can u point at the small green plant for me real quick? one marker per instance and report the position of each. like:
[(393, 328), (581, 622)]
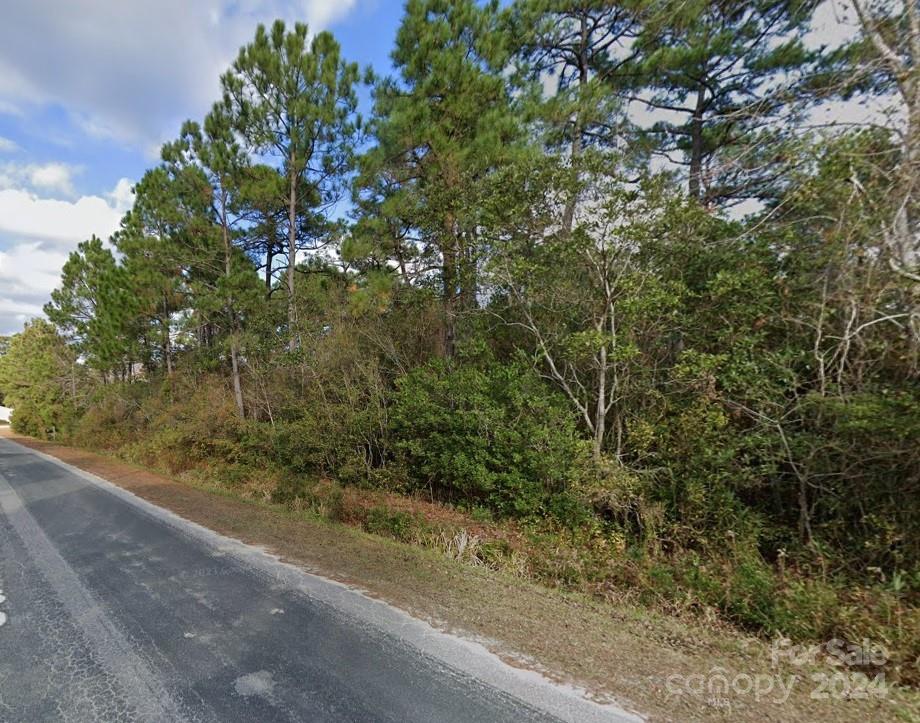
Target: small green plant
[(397, 524)]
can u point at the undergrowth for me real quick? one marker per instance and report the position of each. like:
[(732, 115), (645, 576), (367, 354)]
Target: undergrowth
[(614, 546)]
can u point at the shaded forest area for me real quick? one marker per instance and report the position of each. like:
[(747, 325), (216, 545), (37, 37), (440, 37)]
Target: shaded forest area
[(591, 273)]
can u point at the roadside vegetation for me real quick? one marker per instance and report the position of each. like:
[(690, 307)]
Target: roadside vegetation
[(481, 321)]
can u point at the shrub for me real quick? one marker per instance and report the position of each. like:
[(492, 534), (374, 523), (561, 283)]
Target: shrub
[(324, 499), (493, 436), (398, 524), (39, 378)]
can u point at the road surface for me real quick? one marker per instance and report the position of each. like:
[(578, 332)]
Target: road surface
[(113, 609)]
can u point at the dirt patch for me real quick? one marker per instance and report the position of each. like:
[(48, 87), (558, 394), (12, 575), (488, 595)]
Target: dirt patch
[(638, 657)]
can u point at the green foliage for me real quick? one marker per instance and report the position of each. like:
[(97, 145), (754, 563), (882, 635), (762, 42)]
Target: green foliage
[(398, 524), (326, 500), (441, 128), (724, 68), (493, 436), (292, 97), (93, 306), (39, 379)]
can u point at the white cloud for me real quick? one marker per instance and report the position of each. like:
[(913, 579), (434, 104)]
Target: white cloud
[(14, 314), (10, 109), (7, 146), (39, 234), (133, 71), (122, 196), (23, 213), (30, 270), (53, 177)]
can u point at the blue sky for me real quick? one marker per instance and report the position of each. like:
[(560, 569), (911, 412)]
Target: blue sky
[(89, 89)]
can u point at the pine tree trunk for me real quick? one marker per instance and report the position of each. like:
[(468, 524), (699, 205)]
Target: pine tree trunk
[(231, 311), (468, 281), (237, 386), (167, 342), (695, 185), (568, 214), (292, 254), (269, 260), (449, 299), (600, 415)]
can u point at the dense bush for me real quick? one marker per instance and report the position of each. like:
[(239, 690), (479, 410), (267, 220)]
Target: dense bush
[(493, 436), (41, 381)]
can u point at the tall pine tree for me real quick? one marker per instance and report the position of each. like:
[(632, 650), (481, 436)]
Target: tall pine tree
[(224, 286), (294, 98), (721, 71), (577, 57), (441, 127)]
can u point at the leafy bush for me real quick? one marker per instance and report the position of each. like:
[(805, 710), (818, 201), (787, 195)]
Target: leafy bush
[(324, 499), (39, 379), (44, 422), (398, 524), (493, 436)]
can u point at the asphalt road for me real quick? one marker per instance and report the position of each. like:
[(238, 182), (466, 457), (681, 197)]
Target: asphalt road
[(113, 609)]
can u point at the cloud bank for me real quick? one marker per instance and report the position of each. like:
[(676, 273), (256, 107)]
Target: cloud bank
[(37, 234), (132, 71)]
